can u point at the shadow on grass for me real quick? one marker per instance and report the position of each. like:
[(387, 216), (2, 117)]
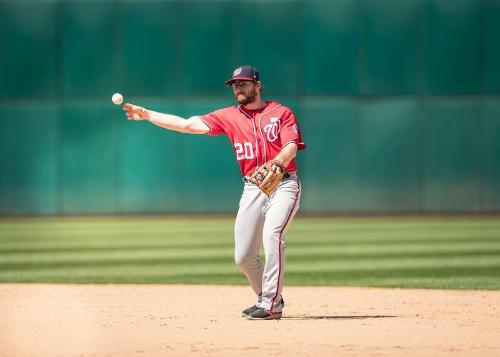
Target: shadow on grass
[(333, 317)]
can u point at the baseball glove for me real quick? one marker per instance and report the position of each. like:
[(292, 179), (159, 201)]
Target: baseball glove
[(269, 176)]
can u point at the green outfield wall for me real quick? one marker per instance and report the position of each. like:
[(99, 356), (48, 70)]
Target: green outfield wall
[(398, 100)]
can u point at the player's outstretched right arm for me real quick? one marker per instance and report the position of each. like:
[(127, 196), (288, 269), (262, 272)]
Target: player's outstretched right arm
[(193, 125)]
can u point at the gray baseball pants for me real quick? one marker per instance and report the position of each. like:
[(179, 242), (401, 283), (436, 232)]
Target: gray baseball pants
[(262, 222)]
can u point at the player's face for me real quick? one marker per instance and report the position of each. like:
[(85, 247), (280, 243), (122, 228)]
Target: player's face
[(245, 92)]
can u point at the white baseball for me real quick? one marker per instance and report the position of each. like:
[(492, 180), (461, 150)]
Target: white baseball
[(117, 98)]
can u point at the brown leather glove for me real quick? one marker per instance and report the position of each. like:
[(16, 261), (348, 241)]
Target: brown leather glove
[(269, 176)]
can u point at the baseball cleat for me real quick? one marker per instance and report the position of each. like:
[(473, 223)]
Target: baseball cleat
[(262, 314), (248, 311), (251, 309)]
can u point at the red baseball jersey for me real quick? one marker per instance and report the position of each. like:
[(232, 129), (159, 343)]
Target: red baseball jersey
[(257, 135)]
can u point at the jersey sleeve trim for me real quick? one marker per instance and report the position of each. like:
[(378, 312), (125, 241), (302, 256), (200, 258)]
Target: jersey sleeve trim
[(207, 124), (300, 146)]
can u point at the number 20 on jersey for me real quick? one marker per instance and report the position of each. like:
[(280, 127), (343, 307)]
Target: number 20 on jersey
[(243, 151)]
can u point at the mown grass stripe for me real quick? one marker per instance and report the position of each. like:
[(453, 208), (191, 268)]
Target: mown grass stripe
[(381, 263), (352, 253), (224, 234), (472, 277), (139, 268), (401, 249), (194, 224), (422, 272), (227, 230), (327, 250), (85, 246), (228, 234)]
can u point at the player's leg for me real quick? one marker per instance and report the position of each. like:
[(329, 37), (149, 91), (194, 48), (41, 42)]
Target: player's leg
[(248, 235), (279, 213)]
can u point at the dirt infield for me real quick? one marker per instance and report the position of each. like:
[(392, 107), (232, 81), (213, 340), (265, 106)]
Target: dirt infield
[(177, 320)]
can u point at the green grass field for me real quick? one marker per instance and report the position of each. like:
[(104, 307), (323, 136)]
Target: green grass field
[(435, 252)]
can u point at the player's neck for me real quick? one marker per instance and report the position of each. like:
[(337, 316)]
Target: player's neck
[(255, 105)]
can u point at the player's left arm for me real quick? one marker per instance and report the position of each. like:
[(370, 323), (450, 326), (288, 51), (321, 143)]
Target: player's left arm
[(290, 138), (287, 153)]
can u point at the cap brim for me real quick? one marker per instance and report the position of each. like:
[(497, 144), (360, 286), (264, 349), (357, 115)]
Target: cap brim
[(228, 83)]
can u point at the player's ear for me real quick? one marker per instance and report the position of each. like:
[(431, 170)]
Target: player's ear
[(259, 85)]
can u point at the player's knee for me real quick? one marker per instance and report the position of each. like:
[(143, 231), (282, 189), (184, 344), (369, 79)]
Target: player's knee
[(239, 260), (244, 260)]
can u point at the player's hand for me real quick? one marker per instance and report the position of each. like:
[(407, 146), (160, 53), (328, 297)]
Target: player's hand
[(269, 176), (277, 166), (135, 113)]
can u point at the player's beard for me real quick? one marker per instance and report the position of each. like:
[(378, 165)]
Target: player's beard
[(246, 98)]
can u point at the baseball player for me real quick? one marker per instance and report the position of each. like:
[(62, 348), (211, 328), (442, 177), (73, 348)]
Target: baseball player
[(265, 136)]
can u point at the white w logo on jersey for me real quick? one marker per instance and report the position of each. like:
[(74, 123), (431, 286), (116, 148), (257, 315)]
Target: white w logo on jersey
[(272, 129)]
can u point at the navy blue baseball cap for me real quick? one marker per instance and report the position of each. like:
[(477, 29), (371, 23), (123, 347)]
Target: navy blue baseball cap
[(244, 73)]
